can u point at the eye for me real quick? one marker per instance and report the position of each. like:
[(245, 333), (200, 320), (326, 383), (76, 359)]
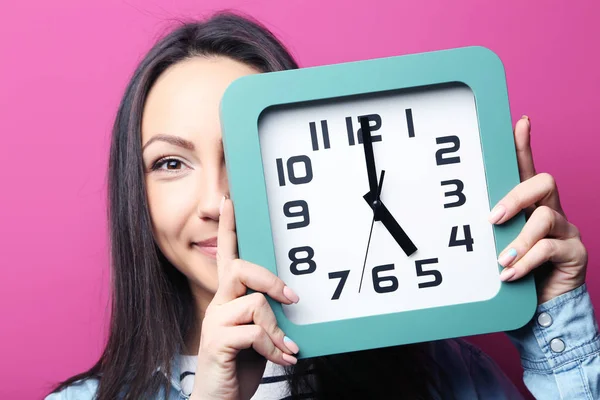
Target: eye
[(168, 164)]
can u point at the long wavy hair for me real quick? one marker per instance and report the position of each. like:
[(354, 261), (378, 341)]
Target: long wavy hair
[(152, 310)]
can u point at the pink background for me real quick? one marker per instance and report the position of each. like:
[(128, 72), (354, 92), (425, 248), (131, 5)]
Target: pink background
[(64, 67)]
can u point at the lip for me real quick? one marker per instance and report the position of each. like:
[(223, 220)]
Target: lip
[(207, 247)]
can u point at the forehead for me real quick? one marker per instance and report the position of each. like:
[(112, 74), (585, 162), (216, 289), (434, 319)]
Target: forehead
[(186, 96)]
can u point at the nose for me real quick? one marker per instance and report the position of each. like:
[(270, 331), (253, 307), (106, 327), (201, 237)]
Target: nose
[(212, 188)]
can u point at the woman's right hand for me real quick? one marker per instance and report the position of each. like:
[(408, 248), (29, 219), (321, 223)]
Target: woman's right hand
[(239, 331)]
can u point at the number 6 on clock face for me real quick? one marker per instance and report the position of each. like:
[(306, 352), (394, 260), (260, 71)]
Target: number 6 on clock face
[(407, 258)]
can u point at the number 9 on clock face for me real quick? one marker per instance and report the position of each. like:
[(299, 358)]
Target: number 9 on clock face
[(428, 143), (366, 188)]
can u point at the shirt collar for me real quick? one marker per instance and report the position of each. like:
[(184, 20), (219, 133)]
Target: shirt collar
[(175, 372)]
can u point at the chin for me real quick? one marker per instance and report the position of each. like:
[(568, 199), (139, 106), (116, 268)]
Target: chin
[(202, 275)]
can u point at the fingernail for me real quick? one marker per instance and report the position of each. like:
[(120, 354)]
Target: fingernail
[(506, 274), (507, 257), (291, 345), (497, 213), (290, 294), (289, 359), (221, 206), (526, 118)]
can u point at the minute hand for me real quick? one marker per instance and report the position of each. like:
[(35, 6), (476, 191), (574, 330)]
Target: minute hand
[(369, 156)]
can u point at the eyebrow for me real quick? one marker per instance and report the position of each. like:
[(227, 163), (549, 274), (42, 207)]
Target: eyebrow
[(171, 139)]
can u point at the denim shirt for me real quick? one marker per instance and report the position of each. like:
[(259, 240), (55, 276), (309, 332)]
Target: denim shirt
[(559, 350)]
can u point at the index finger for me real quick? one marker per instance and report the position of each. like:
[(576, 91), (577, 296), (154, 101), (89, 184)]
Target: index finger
[(226, 237), (523, 147)]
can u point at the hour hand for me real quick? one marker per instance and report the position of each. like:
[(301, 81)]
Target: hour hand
[(396, 230), (390, 223)]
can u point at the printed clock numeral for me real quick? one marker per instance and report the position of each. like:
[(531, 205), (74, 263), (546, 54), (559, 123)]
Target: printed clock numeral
[(374, 123), (462, 199), (343, 277), (409, 122), (308, 259), (437, 275), (291, 164), (314, 136), (390, 281), (303, 212), (467, 241), (439, 155)]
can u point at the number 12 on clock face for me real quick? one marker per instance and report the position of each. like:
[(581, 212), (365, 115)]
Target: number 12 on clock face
[(345, 257)]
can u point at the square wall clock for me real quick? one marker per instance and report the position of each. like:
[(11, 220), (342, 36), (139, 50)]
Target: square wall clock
[(366, 187)]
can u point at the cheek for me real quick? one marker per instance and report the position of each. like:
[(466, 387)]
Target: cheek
[(171, 206)]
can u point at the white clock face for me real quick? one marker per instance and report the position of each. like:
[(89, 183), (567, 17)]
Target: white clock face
[(428, 143)]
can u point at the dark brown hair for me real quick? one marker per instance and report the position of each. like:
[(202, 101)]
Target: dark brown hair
[(152, 307)]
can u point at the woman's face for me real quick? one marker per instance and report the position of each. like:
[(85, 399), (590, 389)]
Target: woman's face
[(184, 163)]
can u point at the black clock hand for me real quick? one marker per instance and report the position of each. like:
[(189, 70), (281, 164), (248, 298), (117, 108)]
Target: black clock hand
[(376, 205), (369, 156), (381, 213), (390, 223), (396, 230)]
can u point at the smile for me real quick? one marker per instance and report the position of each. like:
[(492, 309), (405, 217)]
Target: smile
[(207, 247)]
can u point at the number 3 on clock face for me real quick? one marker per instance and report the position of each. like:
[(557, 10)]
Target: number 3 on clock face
[(382, 232)]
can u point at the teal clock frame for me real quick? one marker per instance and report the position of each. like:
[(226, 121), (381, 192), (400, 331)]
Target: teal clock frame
[(477, 67)]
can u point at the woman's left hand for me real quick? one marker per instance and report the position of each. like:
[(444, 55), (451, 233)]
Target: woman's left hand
[(548, 242)]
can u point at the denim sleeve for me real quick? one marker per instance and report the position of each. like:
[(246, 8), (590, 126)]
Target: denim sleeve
[(560, 348), (81, 390)]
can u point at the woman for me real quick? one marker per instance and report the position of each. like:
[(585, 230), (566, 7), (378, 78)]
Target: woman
[(182, 325)]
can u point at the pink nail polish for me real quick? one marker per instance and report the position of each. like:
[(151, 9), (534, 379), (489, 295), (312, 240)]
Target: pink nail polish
[(507, 258), (506, 274), (221, 206), (291, 345), (497, 214), (290, 294), (289, 359)]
